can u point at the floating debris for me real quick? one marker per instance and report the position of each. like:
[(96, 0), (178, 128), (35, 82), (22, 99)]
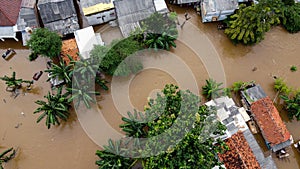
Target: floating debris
[(4, 100), (18, 125), (254, 69)]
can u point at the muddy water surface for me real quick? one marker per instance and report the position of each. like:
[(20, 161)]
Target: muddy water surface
[(67, 146)]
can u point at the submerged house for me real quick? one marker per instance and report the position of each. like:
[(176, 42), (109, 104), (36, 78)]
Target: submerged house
[(216, 10), (59, 16), (267, 118), (98, 11), (131, 12), (9, 13), (244, 150), (27, 20)]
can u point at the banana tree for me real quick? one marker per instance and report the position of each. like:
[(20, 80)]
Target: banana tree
[(13, 83), (5, 156), (134, 126), (55, 109), (211, 89), (111, 157), (292, 105), (62, 71), (160, 41), (82, 92)]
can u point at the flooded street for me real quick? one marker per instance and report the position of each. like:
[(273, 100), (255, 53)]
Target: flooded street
[(68, 146)]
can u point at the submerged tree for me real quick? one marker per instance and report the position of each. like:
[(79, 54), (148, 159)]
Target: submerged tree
[(13, 83), (61, 71), (292, 105), (44, 42), (55, 109), (211, 89), (292, 18), (6, 156)]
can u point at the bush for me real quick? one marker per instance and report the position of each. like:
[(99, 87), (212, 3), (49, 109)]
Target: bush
[(45, 42), (293, 68), (292, 18)]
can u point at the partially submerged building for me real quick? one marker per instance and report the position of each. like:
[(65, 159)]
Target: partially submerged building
[(267, 118), (86, 39), (245, 151), (59, 16), (9, 13), (131, 12), (98, 11), (216, 10)]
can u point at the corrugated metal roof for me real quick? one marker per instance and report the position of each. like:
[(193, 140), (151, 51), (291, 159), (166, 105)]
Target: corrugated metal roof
[(88, 3), (27, 18), (97, 8), (28, 3)]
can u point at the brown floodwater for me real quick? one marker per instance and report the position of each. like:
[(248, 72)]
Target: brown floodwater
[(68, 146)]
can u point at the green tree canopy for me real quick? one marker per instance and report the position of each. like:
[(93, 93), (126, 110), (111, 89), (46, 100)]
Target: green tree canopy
[(45, 42), (292, 18)]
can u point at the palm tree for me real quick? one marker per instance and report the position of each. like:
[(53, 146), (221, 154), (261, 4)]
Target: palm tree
[(160, 41), (85, 67), (133, 126), (56, 107), (62, 71), (111, 157), (4, 157), (82, 92), (211, 89), (13, 83)]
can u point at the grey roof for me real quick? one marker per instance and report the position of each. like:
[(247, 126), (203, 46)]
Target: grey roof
[(219, 5), (27, 18), (88, 3), (264, 162), (28, 3), (59, 15), (282, 145), (185, 1), (253, 94), (130, 12)]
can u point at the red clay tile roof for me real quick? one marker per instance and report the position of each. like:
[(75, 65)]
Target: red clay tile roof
[(9, 12), (240, 155), (69, 47), (269, 121)]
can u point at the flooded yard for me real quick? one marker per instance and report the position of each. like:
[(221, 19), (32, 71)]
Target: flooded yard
[(68, 146)]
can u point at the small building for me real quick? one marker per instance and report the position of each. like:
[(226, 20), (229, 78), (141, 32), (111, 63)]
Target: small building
[(271, 125), (131, 12), (27, 20), (235, 118), (252, 94), (98, 11), (9, 13), (217, 10), (86, 39), (59, 16), (179, 2), (239, 154)]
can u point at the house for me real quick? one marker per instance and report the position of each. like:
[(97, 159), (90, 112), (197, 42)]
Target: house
[(27, 19), (252, 94), (239, 154), (244, 147), (217, 10), (9, 13), (131, 12), (98, 11), (272, 127), (86, 39), (59, 16)]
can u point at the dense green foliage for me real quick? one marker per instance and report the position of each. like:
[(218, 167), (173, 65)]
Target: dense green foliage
[(293, 68), (239, 86), (62, 71), (292, 105), (44, 42), (13, 83), (118, 59), (211, 89), (5, 156), (249, 24), (292, 18), (281, 87), (186, 125), (55, 109), (160, 31)]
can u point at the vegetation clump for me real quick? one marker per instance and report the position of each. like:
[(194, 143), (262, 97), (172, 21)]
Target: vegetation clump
[(293, 68), (6, 156)]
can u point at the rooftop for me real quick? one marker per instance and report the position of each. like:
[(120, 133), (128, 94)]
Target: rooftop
[(212, 6), (253, 94), (9, 12), (240, 155), (267, 117), (94, 6), (69, 47)]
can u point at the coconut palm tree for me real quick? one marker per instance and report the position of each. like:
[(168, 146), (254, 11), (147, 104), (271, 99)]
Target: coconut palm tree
[(13, 83), (82, 92), (5, 156), (55, 109), (62, 71), (211, 89)]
